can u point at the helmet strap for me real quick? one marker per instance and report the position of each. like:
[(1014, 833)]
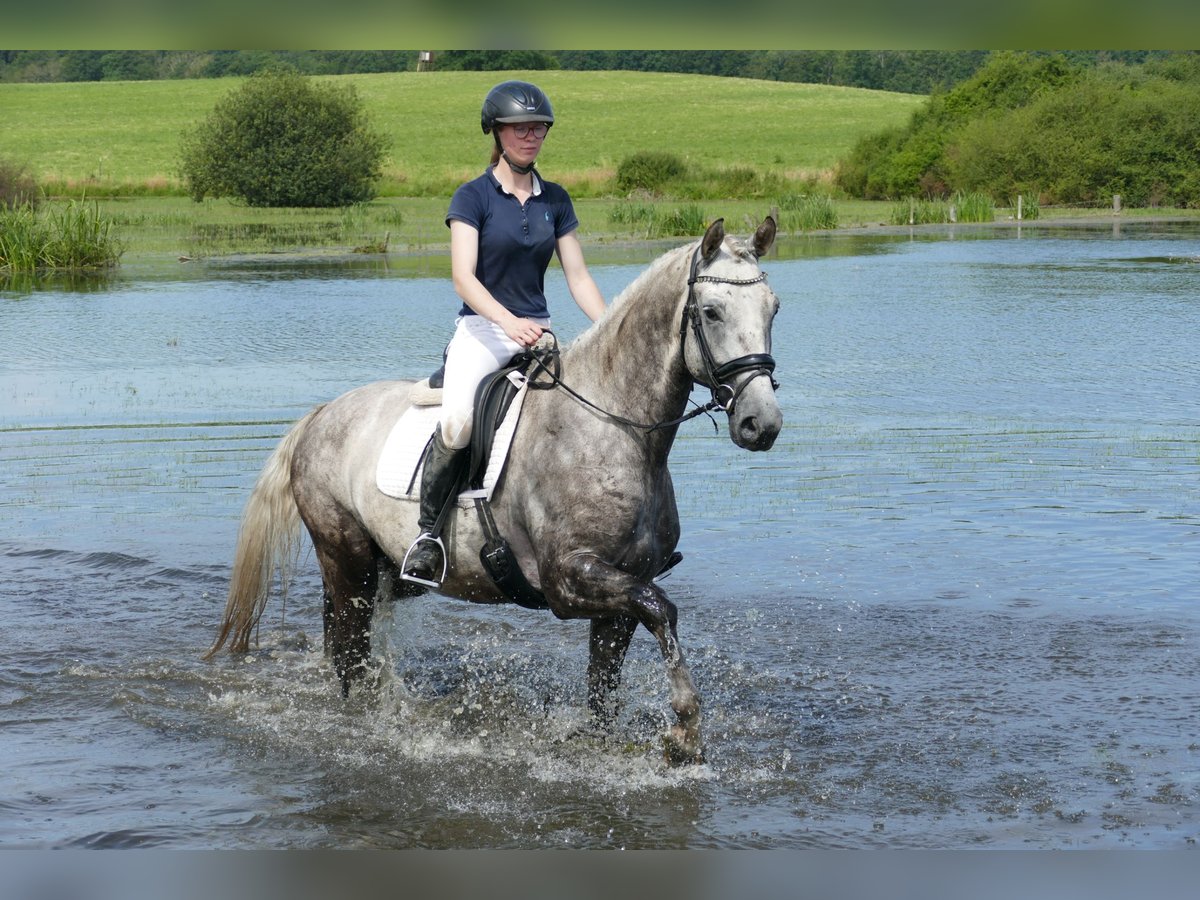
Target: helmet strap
[(519, 169)]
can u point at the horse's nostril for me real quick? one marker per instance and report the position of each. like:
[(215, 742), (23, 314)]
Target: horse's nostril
[(749, 428)]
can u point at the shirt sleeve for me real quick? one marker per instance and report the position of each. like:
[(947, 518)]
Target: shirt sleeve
[(465, 206), (565, 220)]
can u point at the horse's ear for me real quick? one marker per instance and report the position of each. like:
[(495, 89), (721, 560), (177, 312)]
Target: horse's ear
[(712, 240), (764, 237)]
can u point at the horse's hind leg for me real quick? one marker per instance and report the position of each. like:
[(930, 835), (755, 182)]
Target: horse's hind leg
[(350, 575), (584, 586)]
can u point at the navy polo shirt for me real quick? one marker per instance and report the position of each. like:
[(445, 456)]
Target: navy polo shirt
[(515, 241)]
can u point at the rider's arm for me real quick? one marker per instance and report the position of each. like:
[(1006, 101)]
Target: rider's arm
[(464, 254), (579, 279)]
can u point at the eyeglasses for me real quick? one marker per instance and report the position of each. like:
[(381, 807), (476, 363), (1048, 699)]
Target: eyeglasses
[(525, 129)]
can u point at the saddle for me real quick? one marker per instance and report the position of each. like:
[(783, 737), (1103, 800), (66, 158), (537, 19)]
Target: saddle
[(493, 398)]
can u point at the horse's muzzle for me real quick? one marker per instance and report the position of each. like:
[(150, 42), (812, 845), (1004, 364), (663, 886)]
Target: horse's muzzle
[(755, 419), (754, 433)]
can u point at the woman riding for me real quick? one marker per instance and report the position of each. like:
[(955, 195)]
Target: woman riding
[(504, 227)]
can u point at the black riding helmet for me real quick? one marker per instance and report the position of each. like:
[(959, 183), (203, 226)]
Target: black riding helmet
[(515, 101)]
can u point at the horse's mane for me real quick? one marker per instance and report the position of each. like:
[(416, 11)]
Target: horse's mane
[(636, 289), (640, 286)]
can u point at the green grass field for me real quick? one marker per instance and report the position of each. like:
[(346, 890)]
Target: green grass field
[(123, 137), (116, 142)]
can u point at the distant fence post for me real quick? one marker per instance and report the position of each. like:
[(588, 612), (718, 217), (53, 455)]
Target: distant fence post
[(1116, 204), (1019, 202)]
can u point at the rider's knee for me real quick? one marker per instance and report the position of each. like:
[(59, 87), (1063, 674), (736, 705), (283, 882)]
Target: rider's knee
[(456, 431)]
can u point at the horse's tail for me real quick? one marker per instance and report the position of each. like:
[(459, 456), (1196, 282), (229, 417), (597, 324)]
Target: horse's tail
[(267, 539)]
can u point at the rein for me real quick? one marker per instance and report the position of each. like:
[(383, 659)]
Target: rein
[(756, 363)]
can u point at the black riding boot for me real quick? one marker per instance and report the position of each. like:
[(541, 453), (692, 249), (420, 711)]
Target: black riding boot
[(443, 468)]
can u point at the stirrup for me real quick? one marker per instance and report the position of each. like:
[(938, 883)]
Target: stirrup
[(421, 538)]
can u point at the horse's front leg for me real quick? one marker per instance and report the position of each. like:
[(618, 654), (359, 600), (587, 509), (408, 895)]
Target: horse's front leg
[(582, 586)]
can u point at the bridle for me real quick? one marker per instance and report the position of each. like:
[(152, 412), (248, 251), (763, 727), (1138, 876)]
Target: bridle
[(717, 374)]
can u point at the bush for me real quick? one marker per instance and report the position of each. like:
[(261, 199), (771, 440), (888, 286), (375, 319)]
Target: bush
[(1089, 141), (17, 187), (283, 140), (914, 159), (648, 171)]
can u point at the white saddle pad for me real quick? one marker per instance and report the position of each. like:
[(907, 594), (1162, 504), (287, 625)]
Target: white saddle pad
[(400, 461)]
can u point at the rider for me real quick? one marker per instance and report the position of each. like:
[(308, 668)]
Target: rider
[(504, 227)]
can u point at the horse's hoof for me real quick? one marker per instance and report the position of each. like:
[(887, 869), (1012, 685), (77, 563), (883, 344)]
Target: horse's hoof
[(682, 749)]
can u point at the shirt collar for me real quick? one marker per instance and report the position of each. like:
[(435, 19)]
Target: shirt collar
[(537, 182)]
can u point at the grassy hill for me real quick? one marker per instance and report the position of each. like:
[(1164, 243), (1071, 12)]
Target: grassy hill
[(122, 137)]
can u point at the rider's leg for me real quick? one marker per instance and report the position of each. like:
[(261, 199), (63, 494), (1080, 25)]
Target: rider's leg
[(474, 352)]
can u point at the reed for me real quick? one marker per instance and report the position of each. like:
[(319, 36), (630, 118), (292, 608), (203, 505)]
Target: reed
[(807, 212), (1030, 207), (975, 207), (683, 221), (911, 211), (64, 237)]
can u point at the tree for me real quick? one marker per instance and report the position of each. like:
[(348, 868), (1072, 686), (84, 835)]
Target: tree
[(283, 140)]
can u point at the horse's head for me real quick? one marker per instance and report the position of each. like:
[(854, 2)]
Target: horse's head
[(727, 332)]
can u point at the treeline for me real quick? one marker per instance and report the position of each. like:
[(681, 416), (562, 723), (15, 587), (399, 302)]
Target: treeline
[(907, 71), (151, 65), (1049, 127)]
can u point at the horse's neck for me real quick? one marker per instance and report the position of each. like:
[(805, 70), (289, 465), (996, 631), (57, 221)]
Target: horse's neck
[(631, 363)]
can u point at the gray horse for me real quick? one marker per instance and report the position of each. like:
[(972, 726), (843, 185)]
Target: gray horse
[(586, 500)]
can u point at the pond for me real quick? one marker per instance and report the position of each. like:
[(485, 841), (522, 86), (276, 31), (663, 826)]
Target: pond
[(954, 606)]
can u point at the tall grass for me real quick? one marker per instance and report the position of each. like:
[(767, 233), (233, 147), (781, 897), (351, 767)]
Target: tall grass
[(807, 212), (684, 221), (647, 220), (17, 186), (1030, 207), (73, 236), (974, 207), (911, 211)]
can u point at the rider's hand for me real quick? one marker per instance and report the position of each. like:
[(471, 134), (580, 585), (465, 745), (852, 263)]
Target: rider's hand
[(523, 331)]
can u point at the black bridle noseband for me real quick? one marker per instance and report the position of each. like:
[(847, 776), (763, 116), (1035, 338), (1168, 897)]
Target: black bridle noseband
[(716, 373)]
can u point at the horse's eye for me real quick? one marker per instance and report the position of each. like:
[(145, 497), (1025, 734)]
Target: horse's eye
[(712, 314)]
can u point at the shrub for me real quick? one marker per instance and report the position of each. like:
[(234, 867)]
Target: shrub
[(17, 187), (648, 171), (902, 162), (283, 140)]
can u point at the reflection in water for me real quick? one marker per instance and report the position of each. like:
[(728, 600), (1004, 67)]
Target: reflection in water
[(19, 284), (953, 606)]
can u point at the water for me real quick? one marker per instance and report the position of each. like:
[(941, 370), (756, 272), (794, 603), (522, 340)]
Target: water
[(953, 607)]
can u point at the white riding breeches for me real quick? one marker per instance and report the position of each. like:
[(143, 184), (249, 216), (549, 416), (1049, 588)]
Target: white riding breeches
[(477, 349)]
